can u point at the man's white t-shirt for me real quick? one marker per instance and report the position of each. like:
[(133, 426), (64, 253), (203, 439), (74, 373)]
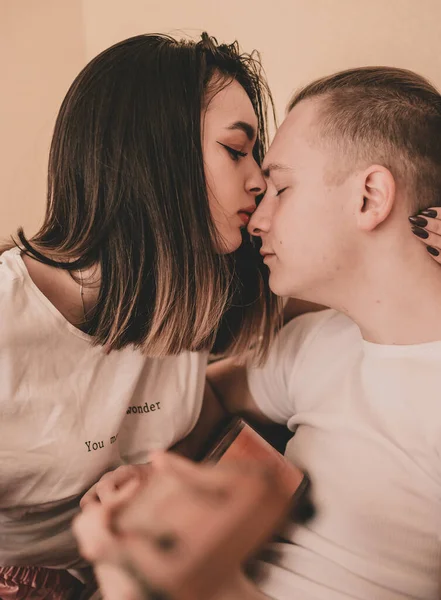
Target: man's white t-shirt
[(69, 412), (368, 431)]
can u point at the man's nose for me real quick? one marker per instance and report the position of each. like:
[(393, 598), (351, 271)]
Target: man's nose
[(260, 221), (256, 183)]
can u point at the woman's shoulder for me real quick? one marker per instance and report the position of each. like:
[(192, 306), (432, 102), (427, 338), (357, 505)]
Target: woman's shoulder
[(11, 273)]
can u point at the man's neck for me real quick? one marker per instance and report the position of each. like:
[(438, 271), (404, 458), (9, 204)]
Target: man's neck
[(396, 299)]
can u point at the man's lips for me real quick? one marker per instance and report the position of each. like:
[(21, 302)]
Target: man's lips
[(264, 252), (266, 255)]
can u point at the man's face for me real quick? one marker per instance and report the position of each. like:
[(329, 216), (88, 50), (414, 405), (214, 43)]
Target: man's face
[(304, 219)]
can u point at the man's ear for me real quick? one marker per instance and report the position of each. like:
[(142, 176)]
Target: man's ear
[(377, 197)]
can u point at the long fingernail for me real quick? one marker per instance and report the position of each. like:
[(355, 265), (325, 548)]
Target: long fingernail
[(433, 251), (303, 511), (421, 233), (420, 221), (429, 213)]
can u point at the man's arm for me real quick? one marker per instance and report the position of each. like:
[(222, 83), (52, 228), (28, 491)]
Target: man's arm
[(229, 382), (265, 395)]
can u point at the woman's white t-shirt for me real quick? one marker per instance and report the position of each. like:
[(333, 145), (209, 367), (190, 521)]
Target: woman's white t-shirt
[(69, 412)]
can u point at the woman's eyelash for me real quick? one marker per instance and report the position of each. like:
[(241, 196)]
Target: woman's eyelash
[(235, 154), (281, 191)]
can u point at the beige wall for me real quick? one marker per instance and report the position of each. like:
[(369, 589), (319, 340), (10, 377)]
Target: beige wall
[(45, 42), (41, 50)]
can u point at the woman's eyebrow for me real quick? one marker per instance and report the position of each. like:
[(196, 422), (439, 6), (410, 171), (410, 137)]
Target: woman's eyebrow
[(247, 128)]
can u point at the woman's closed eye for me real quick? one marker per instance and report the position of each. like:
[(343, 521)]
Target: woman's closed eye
[(235, 154), (280, 192)]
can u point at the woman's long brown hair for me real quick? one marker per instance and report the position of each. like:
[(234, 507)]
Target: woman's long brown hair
[(127, 192)]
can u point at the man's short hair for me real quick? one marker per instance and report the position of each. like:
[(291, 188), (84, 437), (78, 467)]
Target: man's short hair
[(387, 116)]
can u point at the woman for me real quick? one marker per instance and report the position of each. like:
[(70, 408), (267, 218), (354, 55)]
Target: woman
[(109, 311)]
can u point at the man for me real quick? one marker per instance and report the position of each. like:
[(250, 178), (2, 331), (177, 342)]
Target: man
[(360, 384), (358, 153)]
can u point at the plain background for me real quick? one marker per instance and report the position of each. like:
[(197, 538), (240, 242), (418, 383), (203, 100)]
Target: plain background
[(45, 43)]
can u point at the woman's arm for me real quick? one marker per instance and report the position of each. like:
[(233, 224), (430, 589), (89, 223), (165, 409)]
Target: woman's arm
[(211, 420)]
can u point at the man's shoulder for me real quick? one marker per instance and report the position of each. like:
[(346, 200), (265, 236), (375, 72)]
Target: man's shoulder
[(317, 344), (316, 338), (306, 349)]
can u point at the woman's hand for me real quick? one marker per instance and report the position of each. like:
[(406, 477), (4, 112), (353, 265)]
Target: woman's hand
[(100, 546), (426, 226), (104, 490), (185, 532)]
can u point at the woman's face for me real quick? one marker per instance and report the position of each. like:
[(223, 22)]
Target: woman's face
[(234, 179)]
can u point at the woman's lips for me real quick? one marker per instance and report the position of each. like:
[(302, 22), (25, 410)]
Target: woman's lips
[(245, 217), (246, 213)]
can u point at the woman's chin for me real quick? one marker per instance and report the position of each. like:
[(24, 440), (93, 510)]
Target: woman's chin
[(229, 244)]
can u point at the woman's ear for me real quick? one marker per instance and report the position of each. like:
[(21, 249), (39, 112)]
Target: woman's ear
[(377, 197)]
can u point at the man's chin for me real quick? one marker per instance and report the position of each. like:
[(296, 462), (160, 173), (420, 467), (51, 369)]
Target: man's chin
[(279, 285), (282, 285)]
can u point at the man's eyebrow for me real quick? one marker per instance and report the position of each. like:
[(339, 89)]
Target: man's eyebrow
[(247, 128), (275, 167)]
